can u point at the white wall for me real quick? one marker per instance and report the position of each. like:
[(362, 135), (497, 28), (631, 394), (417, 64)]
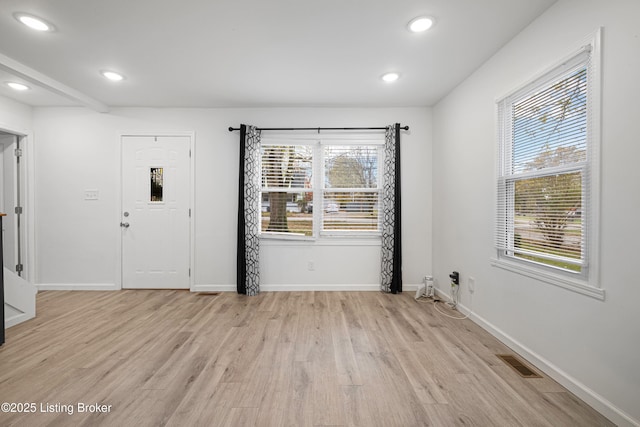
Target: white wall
[(590, 345), (76, 149), (15, 115)]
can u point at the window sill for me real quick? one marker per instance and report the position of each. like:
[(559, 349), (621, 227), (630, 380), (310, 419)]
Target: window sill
[(286, 237), (278, 240), (574, 285)]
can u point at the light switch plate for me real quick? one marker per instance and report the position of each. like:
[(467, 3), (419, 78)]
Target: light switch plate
[(91, 194)]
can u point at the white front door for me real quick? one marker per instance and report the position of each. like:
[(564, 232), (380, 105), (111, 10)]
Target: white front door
[(155, 217)]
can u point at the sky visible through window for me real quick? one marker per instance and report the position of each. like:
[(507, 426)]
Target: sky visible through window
[(552, 120)]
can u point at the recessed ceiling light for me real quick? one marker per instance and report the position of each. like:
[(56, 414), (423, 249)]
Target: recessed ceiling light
[(420, 24), (33, 22), (112, 75), (390, 77), (17, 86)]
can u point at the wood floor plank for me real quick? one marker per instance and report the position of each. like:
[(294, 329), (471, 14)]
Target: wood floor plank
[(346, 365), (298, 359)]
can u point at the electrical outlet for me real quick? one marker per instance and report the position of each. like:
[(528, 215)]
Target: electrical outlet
[(311, 266), (471, 282)]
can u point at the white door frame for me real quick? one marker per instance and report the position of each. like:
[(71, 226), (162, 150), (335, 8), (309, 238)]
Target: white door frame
[(192, 194), (28, 185)]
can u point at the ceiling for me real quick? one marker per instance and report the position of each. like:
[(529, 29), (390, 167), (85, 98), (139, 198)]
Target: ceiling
[(251, 53)]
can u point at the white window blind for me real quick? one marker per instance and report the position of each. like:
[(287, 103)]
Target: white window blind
[(287, 189), (544, 186)]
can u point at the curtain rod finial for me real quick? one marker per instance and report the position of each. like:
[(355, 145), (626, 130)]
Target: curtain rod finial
[(230, 128)]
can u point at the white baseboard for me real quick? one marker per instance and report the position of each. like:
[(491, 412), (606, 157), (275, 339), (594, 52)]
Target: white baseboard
[(318, 287), (213, 288), (298, 288), (77, 287), (224, 288), (589, 396)]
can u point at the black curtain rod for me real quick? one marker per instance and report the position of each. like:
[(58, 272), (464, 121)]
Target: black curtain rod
[(231, 129)]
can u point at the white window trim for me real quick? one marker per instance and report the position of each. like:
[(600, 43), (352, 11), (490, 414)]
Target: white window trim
[(578, 283), (311, 241), (543, 273), (327, 237)]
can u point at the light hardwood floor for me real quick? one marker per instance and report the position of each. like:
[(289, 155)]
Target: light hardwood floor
[(278, 359)]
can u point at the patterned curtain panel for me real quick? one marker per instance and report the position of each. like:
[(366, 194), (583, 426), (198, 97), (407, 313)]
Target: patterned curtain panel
[(391, 271), (248, 212)]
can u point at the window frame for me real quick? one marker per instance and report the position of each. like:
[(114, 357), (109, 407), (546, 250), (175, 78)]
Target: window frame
[(318, 142), (587, 280)]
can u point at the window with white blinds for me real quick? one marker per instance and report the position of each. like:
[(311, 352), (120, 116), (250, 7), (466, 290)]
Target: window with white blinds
[(351, 188), (287, 189), (545, 165), (320, 187)]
